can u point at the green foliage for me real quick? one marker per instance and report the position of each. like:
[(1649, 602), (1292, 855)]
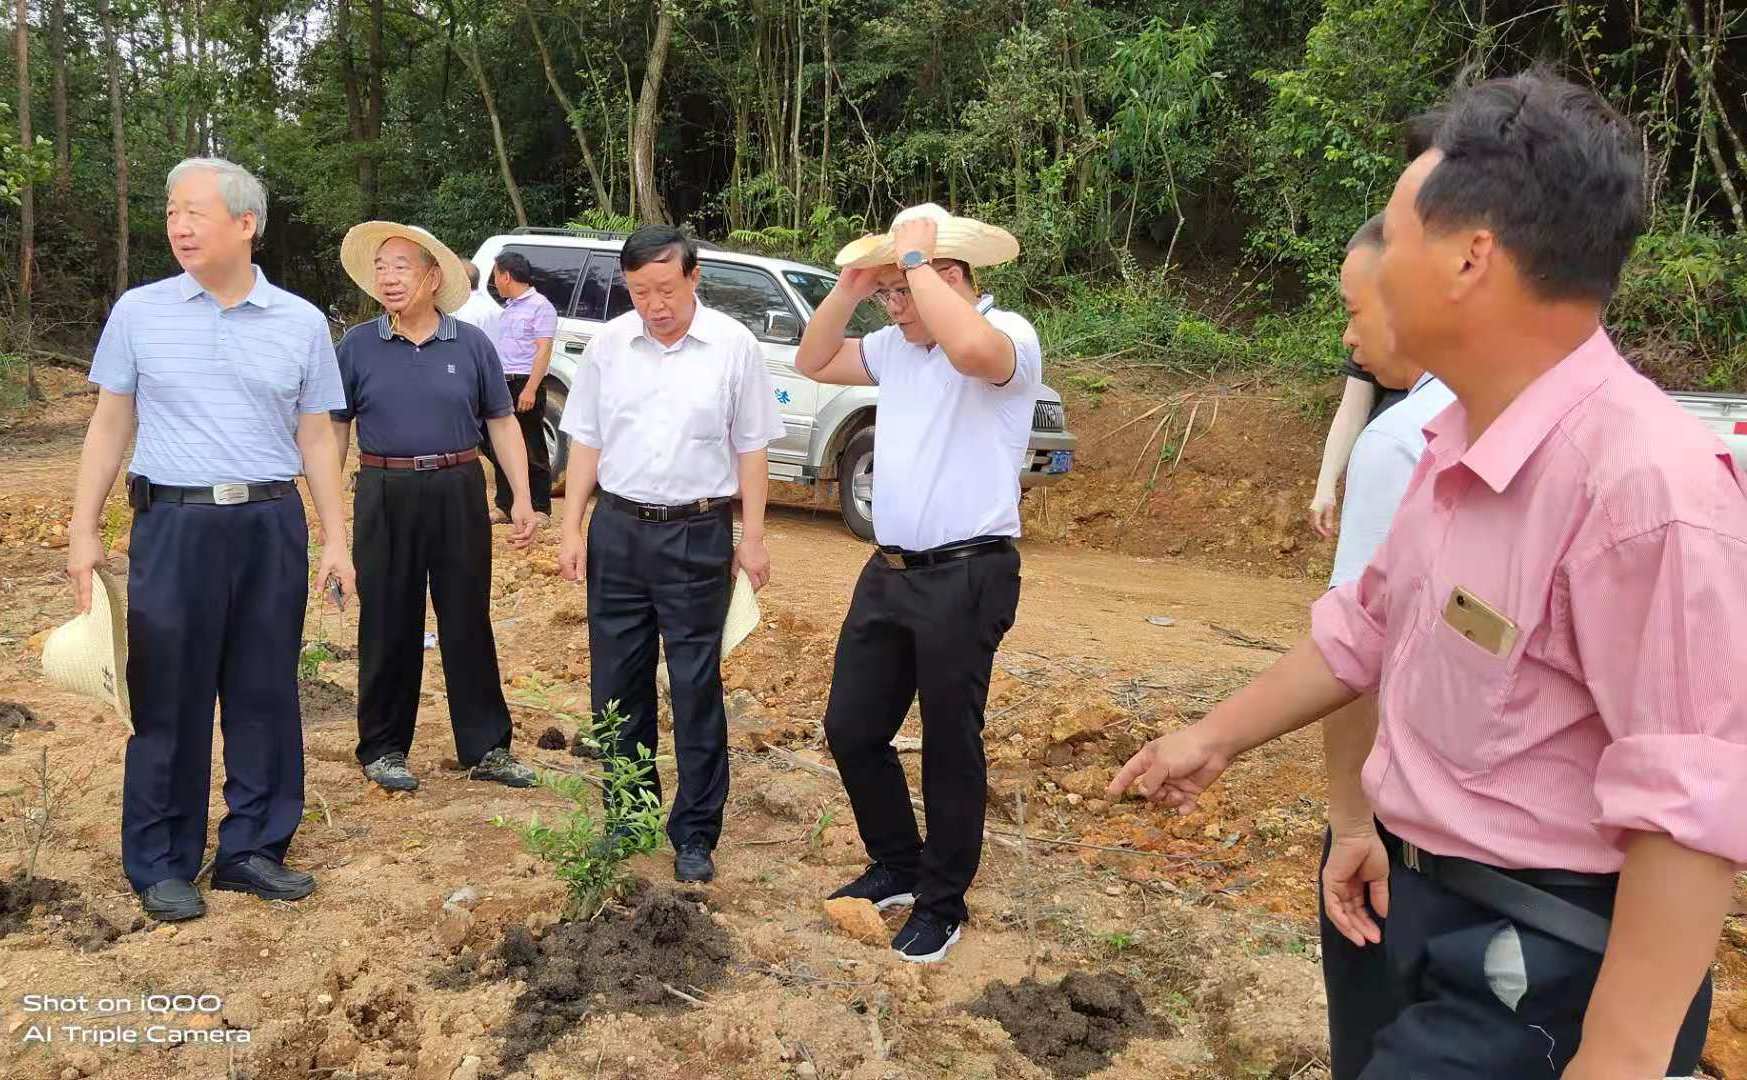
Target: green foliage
[(310, 659), (587, 849), (1682, 306)]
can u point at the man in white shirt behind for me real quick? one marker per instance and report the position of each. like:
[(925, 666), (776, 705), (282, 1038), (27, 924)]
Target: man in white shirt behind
[(958, 380), (1383, 460), (671, 413), (479, 310)]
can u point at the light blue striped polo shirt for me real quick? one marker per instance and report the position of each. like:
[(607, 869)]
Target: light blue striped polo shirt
[(217, 392)]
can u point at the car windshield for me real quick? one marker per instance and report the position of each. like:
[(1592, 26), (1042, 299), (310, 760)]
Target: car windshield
[(813, 288)]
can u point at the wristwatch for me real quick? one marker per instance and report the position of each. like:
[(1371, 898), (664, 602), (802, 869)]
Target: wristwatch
[(912, 260)]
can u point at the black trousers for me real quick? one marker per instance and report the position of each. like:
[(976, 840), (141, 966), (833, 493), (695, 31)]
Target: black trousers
[(532, 424), (933, 632), (1468, 995), (410, 529), (216, 596), (1360, 1000), (672, 580)]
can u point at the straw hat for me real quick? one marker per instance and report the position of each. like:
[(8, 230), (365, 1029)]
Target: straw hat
[(960, 238), (88, 655), (358, 256)]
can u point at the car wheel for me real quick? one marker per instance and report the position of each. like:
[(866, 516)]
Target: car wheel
[(557, 443), (855, 483)]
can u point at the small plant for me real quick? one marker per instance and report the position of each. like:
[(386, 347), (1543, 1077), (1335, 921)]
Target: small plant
[(1118, 942), (816, 835), (588, 848), (309, 661), (36, 811)]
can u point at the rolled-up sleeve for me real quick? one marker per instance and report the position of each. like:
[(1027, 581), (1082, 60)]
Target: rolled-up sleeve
[(113, 366), (757, 422), (1350, 627), (1660, 622), (582, 408)]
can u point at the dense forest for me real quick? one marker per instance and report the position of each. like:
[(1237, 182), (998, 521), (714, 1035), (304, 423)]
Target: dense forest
[(1182, 173)]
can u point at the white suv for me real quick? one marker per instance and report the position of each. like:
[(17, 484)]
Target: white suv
[(828, 430)]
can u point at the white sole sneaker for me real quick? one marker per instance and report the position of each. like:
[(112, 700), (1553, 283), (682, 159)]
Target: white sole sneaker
[(903, 899), (934, 957)]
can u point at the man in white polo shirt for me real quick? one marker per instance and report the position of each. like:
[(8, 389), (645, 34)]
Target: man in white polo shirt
[(1383, 460), (958, 380)]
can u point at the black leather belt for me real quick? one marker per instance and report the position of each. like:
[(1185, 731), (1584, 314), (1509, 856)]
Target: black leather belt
[(223, 494), (1518, 895), (901, 559), (655, 513)]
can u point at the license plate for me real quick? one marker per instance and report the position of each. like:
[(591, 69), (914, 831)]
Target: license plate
[(1060, 461)]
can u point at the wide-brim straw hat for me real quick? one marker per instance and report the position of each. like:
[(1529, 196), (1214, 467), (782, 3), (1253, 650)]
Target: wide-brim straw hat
[(88, 655), (358, 255), (964, 239)]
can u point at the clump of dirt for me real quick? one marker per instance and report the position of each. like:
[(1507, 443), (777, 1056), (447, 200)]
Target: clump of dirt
[(615, 962), (551, 739), (1073, 1027), (325, 702), (15, 718), (58, 903), (580, 746)]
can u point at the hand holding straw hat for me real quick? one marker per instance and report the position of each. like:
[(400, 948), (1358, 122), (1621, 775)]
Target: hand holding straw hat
[(961, 239), (88, 655)]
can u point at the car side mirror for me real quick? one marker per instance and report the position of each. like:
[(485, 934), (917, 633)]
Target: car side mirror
[(783, 326)]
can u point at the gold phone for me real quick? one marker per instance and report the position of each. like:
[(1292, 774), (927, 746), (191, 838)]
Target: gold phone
[(1479, 622)]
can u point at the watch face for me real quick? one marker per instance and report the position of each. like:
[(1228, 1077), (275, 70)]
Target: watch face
[(911, 260)]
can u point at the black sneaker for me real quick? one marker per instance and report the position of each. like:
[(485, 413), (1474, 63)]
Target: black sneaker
[(881, 886), (500, 767), (390, 773), (925, 939), (693, 863)]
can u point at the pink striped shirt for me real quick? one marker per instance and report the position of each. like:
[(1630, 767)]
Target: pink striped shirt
[(1611, 529)]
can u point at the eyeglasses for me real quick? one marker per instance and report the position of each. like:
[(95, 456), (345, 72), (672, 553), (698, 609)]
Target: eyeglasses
[(888, 297)]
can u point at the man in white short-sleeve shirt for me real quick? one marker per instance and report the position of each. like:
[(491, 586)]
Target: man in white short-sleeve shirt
[(958, 380), (671, 412)]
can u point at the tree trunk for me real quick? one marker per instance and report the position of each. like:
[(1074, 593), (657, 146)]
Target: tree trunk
[(373, 108), (471, 59), (569, 107), (58, 57), (26, 200), (825, 194), (649, 200), (118, 129), (191, 130), (795, 128)]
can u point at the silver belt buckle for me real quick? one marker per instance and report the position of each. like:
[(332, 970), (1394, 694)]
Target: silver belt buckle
[(1409, 855), (230, 494), (895, 560), (427, 462)]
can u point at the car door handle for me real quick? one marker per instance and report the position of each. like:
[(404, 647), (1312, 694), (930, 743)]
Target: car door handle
[(575, 347)]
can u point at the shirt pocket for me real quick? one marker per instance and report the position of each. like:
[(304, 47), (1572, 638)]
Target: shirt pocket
[(701, 409), (1461, 690)]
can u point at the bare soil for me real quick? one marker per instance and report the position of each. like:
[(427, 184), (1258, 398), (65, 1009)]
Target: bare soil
[(1073, 1026), (1208, 916)]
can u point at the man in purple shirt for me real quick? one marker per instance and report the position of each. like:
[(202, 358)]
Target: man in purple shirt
[(523, 338)]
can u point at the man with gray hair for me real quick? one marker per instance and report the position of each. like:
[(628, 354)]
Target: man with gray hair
[(228, 381)]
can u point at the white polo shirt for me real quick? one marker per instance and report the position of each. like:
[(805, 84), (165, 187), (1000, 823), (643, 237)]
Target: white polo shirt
[(670, 421), (482, 311), (948, 448), (1383, 461)]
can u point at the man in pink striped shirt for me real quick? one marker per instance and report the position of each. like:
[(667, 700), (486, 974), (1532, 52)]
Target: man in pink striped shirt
[(1556, 628)]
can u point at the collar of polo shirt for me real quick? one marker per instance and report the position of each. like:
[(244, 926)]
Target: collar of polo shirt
[(445, 327), (260, 295)]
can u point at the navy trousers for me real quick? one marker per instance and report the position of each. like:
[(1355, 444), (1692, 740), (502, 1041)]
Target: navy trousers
[(670, 579), (216, 596), (1459, 992)]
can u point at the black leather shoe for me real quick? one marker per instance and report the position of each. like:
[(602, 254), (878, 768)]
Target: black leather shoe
[(693, 863), (173, 900), (261, 876)]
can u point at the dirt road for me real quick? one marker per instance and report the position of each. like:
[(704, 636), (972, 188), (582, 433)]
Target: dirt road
[(1208, 916)]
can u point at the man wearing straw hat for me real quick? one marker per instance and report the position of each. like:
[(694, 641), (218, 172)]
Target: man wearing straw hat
[(227, 379), (671, 412), (957, 377), (421, 385)]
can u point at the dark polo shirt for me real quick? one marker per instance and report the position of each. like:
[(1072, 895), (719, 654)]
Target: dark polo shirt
[(420, 399)]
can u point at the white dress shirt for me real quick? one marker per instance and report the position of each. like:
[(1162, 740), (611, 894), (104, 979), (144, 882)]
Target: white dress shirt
[(1383, 461), (670, 421), (482, 311), (948, 447)]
